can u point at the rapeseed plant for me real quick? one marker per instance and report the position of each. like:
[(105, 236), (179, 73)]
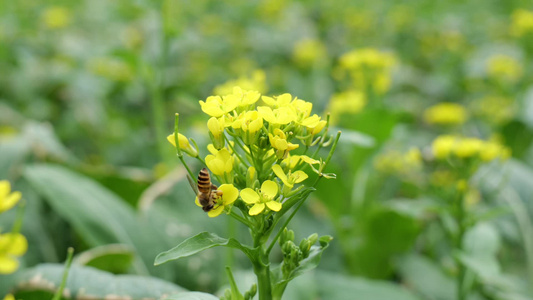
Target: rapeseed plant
[(253, 147)]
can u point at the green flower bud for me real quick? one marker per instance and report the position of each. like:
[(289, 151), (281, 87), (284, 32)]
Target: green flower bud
[(305, 246), (325, 240), (313, 238)]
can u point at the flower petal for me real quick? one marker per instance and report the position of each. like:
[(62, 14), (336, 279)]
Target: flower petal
[(10, 201), (299, 176), (8, 264), (274, 205), (249, 196), (230, 193), (269, 188), (197, 202), (216, 211), (256, 209), (5, 188), (279, 172)]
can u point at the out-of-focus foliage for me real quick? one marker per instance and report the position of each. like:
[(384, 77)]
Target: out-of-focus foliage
[(88, 92)]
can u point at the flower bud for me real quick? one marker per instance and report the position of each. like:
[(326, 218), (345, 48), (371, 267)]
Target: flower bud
[(251, 177), (305, 246), (313, 238), (184, 144), (216, 132)]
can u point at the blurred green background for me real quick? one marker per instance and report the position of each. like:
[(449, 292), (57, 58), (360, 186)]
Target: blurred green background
[(88, 92)]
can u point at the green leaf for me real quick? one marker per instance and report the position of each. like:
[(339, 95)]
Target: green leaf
[(99, 216), (199, 243), (427, 278), (89, 283), (191, 296), (339, 287), (113, 258)]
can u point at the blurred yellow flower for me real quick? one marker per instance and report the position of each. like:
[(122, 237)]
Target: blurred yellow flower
[(521, 22), (278, 101), (265, 198), (308, 52), (495, 109), (183, 143), (56, 17), (8, 199), (406, 164), (501, 66), (244, 97), (9, 297), (445, 113), (12, 245), (348, 102), (257, 82), (467, 147)]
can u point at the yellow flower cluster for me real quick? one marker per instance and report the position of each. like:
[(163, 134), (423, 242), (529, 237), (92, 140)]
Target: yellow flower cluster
[(521, 22), (446, 146), (504, 67), (445, 113), (369, 68), (495, 109), (12, 244), (253, 139)]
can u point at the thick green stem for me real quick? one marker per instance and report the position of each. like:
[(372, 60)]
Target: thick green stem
[(262, 272)]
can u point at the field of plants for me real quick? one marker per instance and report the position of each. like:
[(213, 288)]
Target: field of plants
[(367, 150)]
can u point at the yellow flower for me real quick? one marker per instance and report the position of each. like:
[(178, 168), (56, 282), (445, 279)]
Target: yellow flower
[(278, 101), (217, 106), (229, 195), (250, 121), (367, 57), (314, 124), (522, 22), (7, 199), (247, 125), (492, 150), (184, 144), (290, 178), (56, 17), (12, 245), (220, 163), (445, 113), (9, 297), (495, 109), (504, 67), (278, 116), (467, 147), (301, 108), (279, 142), (443, 145), (308, 52), (216, 131), (265, 197), (243, 97)]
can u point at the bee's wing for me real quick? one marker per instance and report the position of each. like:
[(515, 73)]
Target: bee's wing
[(193, 184)]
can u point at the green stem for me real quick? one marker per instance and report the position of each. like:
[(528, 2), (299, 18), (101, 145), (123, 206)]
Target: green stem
[(461, 294), (59, 292), (269, 249), (262, 272)]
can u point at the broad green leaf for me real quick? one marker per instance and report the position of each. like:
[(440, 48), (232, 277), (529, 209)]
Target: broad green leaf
[(191, 296), (98, 215), (89, 283), (113, 258), (199, 243)]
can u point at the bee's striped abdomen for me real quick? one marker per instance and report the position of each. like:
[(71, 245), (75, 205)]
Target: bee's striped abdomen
[(204, 182)]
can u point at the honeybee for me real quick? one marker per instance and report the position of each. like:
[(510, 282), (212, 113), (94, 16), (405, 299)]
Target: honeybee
[(206, 191)]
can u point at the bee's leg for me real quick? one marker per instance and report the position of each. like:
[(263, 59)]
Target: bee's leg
[(213, 187)]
